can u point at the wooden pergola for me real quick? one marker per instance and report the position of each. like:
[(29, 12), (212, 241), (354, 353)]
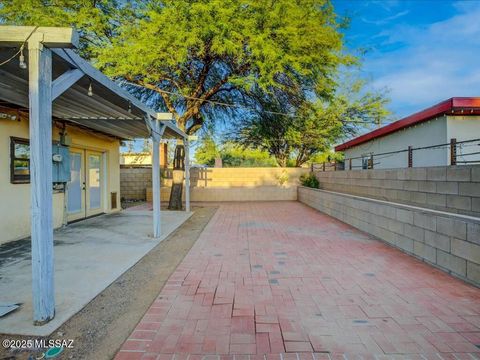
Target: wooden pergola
[(57, 84)]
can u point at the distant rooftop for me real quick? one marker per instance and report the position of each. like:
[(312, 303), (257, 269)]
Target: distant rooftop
[(454, 106)]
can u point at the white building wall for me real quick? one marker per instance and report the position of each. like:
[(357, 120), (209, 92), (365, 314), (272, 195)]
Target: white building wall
[(464, 128), (431, 132)]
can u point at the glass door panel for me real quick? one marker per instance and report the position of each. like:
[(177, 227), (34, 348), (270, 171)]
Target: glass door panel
[(94, 182), (76, 186)]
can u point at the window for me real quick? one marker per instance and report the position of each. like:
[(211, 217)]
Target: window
[(19, 161)]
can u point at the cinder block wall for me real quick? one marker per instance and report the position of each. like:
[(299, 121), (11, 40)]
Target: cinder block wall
[(218, 184), (134, 181), (448, 188), (449, 241)]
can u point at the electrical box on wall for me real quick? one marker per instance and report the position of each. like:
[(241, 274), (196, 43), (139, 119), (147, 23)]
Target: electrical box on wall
[(61, 163)]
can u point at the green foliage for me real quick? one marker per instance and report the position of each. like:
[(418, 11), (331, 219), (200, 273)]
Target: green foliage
[(235, 156), (96, 21), (326, 156), (309, 180), (219, 50), (232, 155), (207, 151), (207, 50), (312, 125)]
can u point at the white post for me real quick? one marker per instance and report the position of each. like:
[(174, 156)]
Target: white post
[(187, 176), (156, 186), (157, 132), (40, 95)]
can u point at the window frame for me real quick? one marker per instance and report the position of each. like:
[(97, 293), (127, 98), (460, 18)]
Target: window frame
[(18, 179)]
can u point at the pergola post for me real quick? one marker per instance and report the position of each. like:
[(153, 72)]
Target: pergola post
[(157, 133), (187, 176), (40, 94)]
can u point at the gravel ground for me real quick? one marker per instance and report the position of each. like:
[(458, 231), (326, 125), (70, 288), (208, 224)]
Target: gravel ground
[(101, 327)]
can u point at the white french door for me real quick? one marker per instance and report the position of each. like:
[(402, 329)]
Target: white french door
[(85, 190)]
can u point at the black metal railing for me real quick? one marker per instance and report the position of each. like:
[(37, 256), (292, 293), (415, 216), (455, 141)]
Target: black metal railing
[(458, 155)]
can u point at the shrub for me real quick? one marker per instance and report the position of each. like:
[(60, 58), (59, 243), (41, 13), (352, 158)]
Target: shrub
[(309, 180)]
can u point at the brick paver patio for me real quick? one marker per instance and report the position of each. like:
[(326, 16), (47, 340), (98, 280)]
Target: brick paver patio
[(284, 279)]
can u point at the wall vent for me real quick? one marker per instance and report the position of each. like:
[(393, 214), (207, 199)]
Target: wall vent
[(113, 200)]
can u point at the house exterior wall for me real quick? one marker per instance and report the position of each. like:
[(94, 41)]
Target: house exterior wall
[(464, 128), (15, 198), (428, 133)]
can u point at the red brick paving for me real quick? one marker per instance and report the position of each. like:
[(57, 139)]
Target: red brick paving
[(278, 280)]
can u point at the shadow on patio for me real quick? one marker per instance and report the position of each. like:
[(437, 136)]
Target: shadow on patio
[(89, 256)]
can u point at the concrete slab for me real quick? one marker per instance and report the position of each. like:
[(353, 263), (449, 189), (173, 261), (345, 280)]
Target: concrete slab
[(89, 256)]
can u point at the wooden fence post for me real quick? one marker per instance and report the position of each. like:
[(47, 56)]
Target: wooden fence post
[(453, 151), (371, 161)]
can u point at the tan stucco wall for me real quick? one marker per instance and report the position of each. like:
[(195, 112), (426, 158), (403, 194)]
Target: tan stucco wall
[(239, 184), (15, 198)]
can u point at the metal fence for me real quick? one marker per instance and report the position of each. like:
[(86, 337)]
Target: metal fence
[(460, 154)]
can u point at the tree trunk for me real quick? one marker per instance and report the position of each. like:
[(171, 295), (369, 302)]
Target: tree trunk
[(175, 202), (281, 160)]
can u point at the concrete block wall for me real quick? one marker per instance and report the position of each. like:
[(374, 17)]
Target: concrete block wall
[(134, 180), (258, 193), (448, 241), (240, 184), (447, 188), (217, 184)]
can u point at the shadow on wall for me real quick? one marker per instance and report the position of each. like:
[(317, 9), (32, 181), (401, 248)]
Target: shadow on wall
[(239, 177), (218, 184)]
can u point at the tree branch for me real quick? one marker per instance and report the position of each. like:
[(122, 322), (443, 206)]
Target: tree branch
[(166, 98)]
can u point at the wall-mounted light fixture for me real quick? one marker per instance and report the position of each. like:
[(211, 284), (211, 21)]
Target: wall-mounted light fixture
[(21, 59), (90, 90)]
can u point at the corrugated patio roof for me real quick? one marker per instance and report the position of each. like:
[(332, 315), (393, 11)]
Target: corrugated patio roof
[(453, 106), (111, 110)]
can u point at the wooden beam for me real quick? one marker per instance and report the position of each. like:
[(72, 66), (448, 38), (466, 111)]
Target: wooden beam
[(157, 132), (52, 37), (164, 116), (76, 61), (40, 95), (65, 81)]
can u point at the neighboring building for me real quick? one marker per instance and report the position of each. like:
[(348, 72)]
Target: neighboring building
[(141, 158), (456, 118), (145, 158)]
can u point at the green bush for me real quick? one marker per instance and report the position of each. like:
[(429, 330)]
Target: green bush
[(309, 180)]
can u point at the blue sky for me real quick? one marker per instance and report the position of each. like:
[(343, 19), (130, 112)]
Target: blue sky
[(422, 51)]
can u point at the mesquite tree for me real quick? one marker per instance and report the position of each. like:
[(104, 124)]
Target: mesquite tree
[(180, 55), (296, 129)]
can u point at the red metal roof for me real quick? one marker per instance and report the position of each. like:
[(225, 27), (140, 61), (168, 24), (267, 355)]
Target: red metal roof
[(452, 106)]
